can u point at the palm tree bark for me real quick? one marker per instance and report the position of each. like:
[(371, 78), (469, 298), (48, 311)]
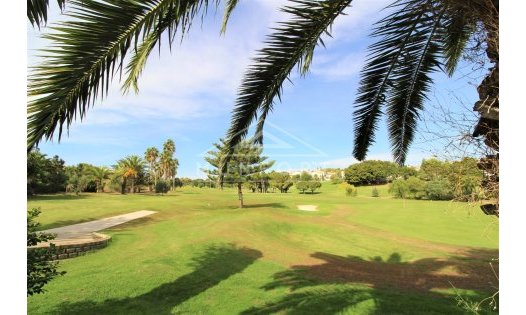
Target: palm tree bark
[(123, 186), (240, 195)]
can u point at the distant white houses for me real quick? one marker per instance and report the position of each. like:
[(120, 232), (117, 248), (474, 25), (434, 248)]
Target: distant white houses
[(322, 174)]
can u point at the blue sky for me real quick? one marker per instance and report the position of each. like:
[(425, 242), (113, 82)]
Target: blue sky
[(187, 95)]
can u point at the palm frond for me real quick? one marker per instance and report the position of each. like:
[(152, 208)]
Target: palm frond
[(458, 28), (230, 6), (139, 58), (395, 33), (37, 11), (86, 50), (406, 100), (291, 44)]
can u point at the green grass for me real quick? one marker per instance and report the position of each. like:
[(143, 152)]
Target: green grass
[(202, 255)]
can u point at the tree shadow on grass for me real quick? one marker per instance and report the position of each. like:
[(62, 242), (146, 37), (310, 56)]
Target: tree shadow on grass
[(392, 285), (218, 263), (57, 197), (275, 205)]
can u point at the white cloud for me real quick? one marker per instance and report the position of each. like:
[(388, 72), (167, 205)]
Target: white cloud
[(199, 77), (358, 19), (338, 66), (105, 117)]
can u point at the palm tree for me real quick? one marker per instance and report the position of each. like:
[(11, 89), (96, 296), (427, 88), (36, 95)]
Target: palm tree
[(416, 39), (129, 168), (100, 175), (169, 147), (151, 155)]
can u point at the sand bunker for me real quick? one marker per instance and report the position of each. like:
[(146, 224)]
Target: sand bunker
[(308, 207)]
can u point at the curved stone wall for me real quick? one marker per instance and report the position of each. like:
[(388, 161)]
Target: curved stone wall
[(69, 248)]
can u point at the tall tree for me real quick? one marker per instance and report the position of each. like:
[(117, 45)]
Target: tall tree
[(280, 180), (100, 174), (45, 175), (80, 178), (214, 158), (246, 161), (169, 164), (129, 168), (151, 156)]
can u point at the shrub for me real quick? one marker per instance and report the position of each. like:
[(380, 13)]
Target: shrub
[(416, 187), (40, 267), (348, 188), (375, 192), (399, 188), (335, 179), (162, 187), (439, 190)]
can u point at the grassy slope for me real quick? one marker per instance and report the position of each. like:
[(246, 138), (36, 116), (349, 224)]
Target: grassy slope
[(200, 254)]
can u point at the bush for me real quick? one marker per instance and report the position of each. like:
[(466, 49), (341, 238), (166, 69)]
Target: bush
[(439, 190), (40, 267), (375, 192), (399, 188), (335, 179), (416, 187), (348, 188), (162, 187)]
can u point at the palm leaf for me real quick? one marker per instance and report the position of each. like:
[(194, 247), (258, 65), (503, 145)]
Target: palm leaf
[(412, 42), (458, 28), (291, 44), (87, 49), (230, 6), (37, 11), (406, 100), (395, 32)]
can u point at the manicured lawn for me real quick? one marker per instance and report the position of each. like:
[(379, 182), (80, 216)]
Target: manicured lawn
[(202, 255)]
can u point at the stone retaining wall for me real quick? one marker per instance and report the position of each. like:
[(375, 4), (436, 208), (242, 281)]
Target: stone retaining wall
[(70, 248)]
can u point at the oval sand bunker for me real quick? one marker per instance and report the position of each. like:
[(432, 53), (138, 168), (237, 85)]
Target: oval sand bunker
[(308, 207)]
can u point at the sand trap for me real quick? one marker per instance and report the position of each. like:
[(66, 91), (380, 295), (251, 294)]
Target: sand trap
[(308, 207)]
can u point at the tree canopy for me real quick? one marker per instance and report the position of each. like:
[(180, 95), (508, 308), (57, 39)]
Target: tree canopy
[(246, 162), (416, 38)]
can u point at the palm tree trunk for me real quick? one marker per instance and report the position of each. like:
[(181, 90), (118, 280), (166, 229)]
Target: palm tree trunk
[(240, 195), (123, 186)]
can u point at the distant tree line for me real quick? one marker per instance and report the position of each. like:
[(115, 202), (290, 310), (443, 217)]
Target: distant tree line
[(45, 175), (433, 180), (131, 174), (442, 180)]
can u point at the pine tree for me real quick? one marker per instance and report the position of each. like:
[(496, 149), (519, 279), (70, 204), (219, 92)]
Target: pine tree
[(246, 161)]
